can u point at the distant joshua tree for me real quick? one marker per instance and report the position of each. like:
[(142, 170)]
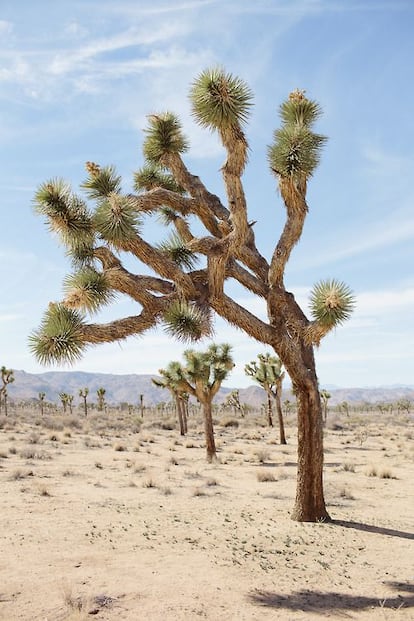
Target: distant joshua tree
[(233, 400), (269, 374), (101, 398), (7, 377), (64, 398), (42, 396), (172, 380), (325, 396), (83, 393)]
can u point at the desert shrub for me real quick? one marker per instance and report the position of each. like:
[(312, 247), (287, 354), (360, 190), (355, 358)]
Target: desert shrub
[(230, 422), (262, 455), (266, 476), (54, 424)]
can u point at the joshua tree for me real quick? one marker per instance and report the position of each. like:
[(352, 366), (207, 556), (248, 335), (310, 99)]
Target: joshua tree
[(177, 295), (83, 393), (101, 398), (202, 377), (141, 405), (42, 396), (325, 396), (64, 398), (269, 375), (7, 377), (172, 381), (233, 400)]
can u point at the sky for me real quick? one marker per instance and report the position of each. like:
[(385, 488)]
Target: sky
[(79, 77)]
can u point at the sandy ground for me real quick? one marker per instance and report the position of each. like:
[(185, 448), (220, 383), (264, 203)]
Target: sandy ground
[(110, 522)]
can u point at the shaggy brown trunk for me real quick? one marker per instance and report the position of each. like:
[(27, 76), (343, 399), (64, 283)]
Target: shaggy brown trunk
[(269, 411), (184, 406), (179, 404), (209, 431), (282, 436), (310, 502)]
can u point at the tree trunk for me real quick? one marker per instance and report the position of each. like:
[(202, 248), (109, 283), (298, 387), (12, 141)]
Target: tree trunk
[(310, 502), (209, 431), (179, 405), (282, 436), (269, 411)]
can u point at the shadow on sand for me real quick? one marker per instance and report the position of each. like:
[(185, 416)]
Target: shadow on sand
[(378, 530), (326, 603)]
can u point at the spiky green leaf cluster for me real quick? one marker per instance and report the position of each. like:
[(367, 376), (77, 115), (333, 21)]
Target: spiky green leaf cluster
[(298, 110), (210, 366), (87, 290), (220, 100), (296, 149), (152, 176), (116, 220), (163, 135), (166, 215), (101, 182), (176, 250), (58, 339), (186, 322), (331, 303), (66, 214)]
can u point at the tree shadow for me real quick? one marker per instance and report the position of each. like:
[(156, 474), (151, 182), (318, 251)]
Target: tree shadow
[(340, 603), (368, 528)]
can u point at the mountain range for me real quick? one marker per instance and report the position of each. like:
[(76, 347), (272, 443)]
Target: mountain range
[(128, 388)]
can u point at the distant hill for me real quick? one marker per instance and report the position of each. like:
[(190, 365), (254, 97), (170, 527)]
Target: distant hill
[(127, 388)]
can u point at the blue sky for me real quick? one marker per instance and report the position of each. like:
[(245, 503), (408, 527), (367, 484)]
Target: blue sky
[(77, 79)]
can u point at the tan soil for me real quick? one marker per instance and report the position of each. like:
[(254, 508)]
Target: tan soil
[(154, 532)]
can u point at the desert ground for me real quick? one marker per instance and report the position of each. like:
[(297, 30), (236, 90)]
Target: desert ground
[(111, 517)]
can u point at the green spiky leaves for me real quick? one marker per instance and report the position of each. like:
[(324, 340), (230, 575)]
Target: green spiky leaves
[(87, 290), (101, 182), (164, 135), (331, 303), (67, 214), (186, 322), (177, 251), (295, 152), (117, 220), (59, 338), (152, 176), (220, 100)]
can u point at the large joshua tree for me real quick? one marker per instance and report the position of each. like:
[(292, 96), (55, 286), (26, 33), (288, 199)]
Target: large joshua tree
[(175, 294)]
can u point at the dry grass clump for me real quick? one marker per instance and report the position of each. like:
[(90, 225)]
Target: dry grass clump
[(262, 455), (266, 476), (149, 483), (230, 422), (348, 467), (19, 474), (120, 447)]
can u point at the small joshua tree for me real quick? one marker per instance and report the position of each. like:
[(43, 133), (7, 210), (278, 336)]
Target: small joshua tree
[(172, 378), (176, 294), (42, 396), (325, 396), (64, 399), (101, 398), (268, 373), (83, 393), (7, 377)]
